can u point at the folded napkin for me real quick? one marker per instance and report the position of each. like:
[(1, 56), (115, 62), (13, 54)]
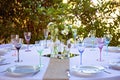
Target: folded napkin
[(57, 69)]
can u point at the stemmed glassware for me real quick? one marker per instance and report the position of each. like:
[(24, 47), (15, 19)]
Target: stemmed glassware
[(46, 31), (108, 38), (40, 49), (100, 44), (74, 36), (18, 45), (81, 47), (92, 36), (27, 36), (13, 39)]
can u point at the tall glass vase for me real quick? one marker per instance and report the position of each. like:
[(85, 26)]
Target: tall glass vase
[(66, 51), (54, 48)]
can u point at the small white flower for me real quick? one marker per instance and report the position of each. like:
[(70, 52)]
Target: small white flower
[(50, 23), (65, 32)]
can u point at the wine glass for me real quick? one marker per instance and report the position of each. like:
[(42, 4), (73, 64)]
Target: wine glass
[(81, 48), (40, 49), (108, 38), (18, 45), (46, 31), (13, 38), (100, 44), (92, 36), (74, 36), (27, 36)]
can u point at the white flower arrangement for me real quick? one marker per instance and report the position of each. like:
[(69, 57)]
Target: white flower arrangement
[(63, 31)]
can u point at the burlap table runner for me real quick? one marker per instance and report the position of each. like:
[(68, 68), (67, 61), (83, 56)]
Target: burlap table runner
[(57, 69)]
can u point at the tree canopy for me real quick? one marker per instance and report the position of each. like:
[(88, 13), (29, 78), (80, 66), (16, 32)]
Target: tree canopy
[(17, 16)]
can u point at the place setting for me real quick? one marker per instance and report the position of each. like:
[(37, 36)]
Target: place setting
[(83, 70), (89, 71), (18, 69)]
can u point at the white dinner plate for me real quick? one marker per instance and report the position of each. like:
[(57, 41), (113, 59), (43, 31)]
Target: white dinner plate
[(22, 70), (86, 70), (113, 49), (115, 65)]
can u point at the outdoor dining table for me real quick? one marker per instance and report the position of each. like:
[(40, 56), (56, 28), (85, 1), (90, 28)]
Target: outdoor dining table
[(61, 69)]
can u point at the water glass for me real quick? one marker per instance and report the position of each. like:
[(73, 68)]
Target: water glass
[(46, 31), (74, 36), (27, 36), (81, 48), (100, 44), (92, 36), (108, 38), (18, 45), (39, 47), (13, 37)]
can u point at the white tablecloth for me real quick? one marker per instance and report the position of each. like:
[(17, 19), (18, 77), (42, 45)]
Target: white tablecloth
[(89, 58)]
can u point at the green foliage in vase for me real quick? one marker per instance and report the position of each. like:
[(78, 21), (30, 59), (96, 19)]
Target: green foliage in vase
[(18, 16)]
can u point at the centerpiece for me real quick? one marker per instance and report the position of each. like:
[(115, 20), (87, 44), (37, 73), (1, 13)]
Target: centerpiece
[(60, 36)]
